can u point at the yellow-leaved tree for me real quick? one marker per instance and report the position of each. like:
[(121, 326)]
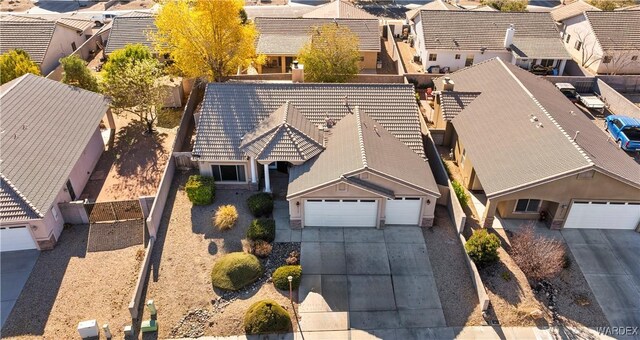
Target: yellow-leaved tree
[(206, 38)]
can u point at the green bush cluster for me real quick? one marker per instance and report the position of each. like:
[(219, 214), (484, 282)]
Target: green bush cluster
[(260, 204), (200, 189), (262, 229), (265, 317), (462, 195), (482, 247), (235, 271), (281, 280)]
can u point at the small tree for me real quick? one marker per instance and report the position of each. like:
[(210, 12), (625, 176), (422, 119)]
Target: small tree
[(538, 257), (77, 73), (119, 59), (482, 247), (331, 56), (507, 5), (16, 63)]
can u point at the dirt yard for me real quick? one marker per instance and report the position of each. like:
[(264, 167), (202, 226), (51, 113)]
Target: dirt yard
[(186, 249), (133, 166), (69, 285), (15, 5)]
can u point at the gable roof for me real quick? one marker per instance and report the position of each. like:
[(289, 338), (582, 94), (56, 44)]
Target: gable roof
[(230, 110), (616, 30), (46, 127), (131, 28), (339, 9), (288, 35), (285, 135), (564, 12), (536, 34), (436, 5), (519, 131), (30, 34), (79, 25), (358, 143)]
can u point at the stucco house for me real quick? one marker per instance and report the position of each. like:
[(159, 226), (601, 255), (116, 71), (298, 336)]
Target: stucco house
[(449, 40), (46, 41), (281, 39), (604, 42), (521, 143), (49, 145), (353, 153)]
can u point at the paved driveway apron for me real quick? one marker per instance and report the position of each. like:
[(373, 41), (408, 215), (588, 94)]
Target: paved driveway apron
[(15, 269), (609, 260), (375, 280)]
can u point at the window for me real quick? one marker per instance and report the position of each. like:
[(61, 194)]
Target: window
[(578, 45), (546, 62), (73, 46), (634, 58), (468, 61), (618, 123), (606, 59), (72, 193), (228, 173), (361, 58), (527, 206), (433, 57), (568, 38), (55, 213), (458, 56)]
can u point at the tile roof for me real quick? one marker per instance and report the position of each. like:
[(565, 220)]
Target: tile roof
[(13, 206), (519, 131), (277, 44), (436, 5), (75, 23), (46, 126), (616, 30), (357, 143), (367, 30), (230, 110), (32, 35), (474, 30), (285, 135), (339, 9), (453, 102), (131, 28), (564, 12)]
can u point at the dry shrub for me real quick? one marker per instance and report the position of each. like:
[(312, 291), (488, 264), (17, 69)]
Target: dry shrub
[(225, 217), (538, 257), (294, 258), (261, 248)]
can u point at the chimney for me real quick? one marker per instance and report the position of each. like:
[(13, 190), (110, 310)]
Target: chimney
[(447, 84), (297, 72), (508, 37)]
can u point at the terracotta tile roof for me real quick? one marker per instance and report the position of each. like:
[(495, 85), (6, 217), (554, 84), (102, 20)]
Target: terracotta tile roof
[(46, 127), (616, 30), (132, 28), (339, 9), (564, 12), (32, 35)]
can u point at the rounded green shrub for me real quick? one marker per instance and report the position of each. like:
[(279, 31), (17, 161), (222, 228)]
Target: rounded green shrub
[(462, 195), (235, 270), (200, 189), (262, 229), (482, 247), (280, 277), (265, 317), (260, 204)]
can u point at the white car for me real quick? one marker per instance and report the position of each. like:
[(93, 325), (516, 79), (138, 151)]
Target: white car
[(101, 19)]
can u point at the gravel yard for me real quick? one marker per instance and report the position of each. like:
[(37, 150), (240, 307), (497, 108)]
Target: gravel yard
[(186, 249), (457, 294), (68, 285)]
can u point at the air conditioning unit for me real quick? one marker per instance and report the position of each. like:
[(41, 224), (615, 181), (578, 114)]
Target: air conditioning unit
[(88, 329)]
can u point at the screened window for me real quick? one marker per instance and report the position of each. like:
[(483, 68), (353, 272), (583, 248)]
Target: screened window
[(568, 38), (433, 57), (527, 206), (228, 173), (469, 61), (458, 56), (578, 45), (606, 59)]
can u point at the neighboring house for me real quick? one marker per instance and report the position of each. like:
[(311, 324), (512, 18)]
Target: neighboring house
[(604, 42), (522, 143), (353, 152), (45, 40), (50, 143), (436, 5), (281, 39), (564, 12), (339, 9), (131, 28), (449, 40)]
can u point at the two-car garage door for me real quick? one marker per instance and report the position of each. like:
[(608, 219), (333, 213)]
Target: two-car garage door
[(360, 212), (15, 238), (603, 215)]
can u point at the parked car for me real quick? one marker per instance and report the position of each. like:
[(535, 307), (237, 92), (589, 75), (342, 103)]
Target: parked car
[(625, 131), (102, 19), (589, 100)]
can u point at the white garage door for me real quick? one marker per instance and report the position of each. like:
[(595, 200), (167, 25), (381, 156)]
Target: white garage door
[(340, 213), (403, 210), (603, 215), (15, 238)]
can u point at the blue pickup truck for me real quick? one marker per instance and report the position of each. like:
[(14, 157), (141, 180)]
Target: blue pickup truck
[(625, 131)]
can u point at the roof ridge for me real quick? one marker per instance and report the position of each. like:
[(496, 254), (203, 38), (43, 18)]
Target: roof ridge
[(544, 110), (595, 34), (273, 135), (18, 81), (25, 199), (363, 153)]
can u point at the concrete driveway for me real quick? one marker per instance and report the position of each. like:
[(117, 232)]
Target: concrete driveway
[(15, 268), (610, 261), (379, 281)]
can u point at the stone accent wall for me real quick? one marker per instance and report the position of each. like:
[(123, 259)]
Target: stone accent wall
[(427, 222), (47, 244), (295, 224)]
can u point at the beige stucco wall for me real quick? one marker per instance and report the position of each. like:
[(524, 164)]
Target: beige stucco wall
[(369, 61), (466, 168), (60, 46)]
